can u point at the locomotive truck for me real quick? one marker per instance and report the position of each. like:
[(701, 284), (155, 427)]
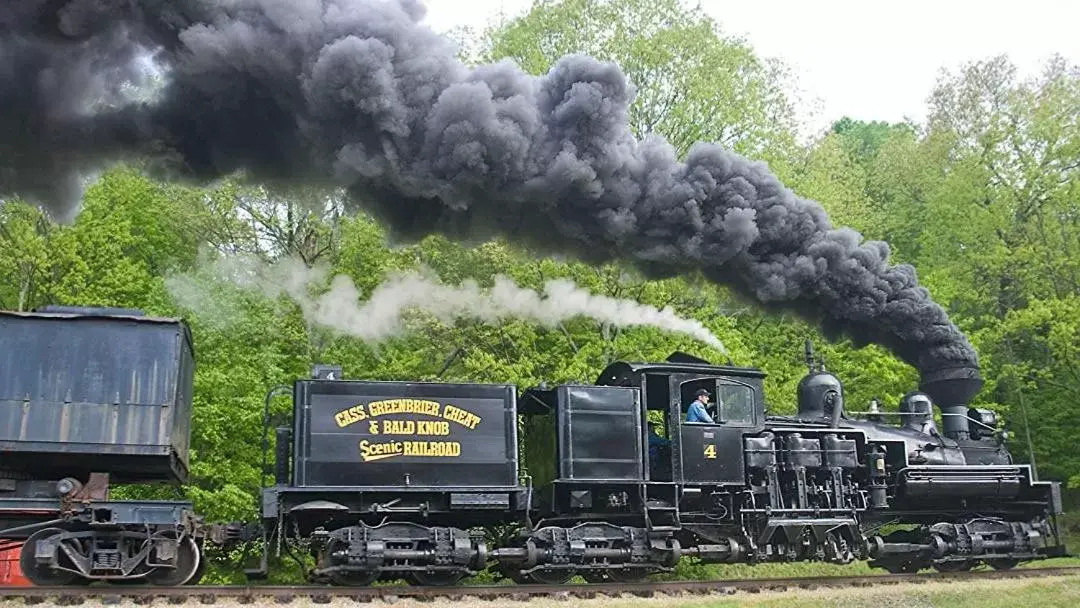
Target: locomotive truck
[(432, 482)]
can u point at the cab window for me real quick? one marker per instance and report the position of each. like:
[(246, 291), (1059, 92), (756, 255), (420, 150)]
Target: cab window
[(732, 402), (735, 403)]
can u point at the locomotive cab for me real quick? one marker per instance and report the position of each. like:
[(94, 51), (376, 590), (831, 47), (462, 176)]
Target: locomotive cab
[(700, 451), (606, 434), (607, 473)]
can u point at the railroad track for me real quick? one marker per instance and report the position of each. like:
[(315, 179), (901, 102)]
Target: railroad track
[(284, 594)]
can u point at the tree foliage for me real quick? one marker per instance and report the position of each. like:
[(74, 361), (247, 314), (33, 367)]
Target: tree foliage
[(694, 82), (982, 199)]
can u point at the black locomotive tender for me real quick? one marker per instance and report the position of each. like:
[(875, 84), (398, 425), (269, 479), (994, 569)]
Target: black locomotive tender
[(408, 480)]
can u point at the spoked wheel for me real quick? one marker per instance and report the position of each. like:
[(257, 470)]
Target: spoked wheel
[(43, 575), (187, 560), (548, 577), (1003, 563), (954, 566), (439, 578)]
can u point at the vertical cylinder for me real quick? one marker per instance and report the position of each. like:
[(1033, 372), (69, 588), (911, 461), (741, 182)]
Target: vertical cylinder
[(951, 389), (876, 460), (954, 422)]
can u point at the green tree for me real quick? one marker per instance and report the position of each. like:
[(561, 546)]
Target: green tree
[(831, 175), (1013, 172), (694, 83), (988, 197), (26, 235), (865, 139), (1032, 355)]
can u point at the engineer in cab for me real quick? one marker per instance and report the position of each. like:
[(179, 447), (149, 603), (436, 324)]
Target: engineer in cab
[(697, 411)]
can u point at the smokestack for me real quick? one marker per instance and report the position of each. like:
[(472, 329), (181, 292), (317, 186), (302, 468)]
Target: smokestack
[(358, 93), (952, 388)]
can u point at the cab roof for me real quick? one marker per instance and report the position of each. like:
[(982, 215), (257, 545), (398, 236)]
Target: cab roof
[(677, 363)]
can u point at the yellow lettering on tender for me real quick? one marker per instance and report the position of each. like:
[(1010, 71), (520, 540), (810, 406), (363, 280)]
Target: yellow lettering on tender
[(429, 449), (438, 449), (404, 406), (399, 427), (465, 418), (432, 427), (376, 451), (350, 415)]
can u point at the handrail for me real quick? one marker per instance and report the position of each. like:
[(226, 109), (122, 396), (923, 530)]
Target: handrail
[(266, 429)]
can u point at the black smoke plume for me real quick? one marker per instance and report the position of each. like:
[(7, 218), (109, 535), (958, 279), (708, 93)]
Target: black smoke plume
[(358, 93)]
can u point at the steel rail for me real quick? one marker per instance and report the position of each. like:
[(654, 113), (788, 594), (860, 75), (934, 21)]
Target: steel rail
[(324, 594)]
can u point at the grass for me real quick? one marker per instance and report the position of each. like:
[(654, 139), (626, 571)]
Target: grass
[(1043, 593), (690, 569)]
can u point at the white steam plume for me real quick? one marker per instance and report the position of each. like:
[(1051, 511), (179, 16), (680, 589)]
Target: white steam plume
[(382, 315)]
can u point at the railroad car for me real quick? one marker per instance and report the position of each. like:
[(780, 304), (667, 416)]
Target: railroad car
[(91, 397)]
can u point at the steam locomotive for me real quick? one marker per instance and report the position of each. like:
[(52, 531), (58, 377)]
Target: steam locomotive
[(433, 482)]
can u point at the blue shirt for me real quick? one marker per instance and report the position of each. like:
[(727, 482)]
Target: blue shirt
[(697, 413)]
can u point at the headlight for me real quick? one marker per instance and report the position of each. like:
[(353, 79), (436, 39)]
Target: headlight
[(982, 423)]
